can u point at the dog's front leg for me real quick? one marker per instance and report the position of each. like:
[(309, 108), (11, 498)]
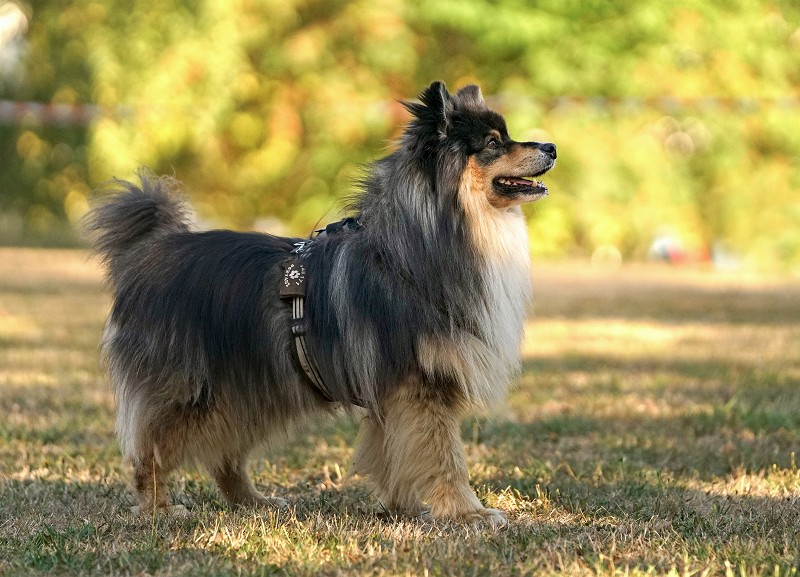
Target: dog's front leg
[(371, 459), (423, 455)]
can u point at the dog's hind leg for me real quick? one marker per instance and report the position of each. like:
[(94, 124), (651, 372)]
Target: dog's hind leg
[(236, 486), (425, 458), (155, 447), (149, 481)]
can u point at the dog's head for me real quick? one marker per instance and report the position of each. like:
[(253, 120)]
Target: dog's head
[(460, 125)]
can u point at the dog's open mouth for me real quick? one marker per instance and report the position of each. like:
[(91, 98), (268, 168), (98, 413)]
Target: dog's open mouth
[(515, 185), (524, 185)]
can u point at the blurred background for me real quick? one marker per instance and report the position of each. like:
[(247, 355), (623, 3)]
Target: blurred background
[(678, 123)]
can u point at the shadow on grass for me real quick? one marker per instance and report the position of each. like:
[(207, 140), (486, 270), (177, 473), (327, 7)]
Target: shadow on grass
[(702, 447), (715, 374), (690, 417), (59, 527), (641, 507), (648, 299), (636, 522)]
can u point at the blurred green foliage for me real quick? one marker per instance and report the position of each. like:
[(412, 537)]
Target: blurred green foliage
[(269, 108)]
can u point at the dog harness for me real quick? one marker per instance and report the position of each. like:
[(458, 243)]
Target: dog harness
[(293, 287)]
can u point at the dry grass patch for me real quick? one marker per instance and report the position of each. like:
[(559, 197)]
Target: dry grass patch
[(655, 431)]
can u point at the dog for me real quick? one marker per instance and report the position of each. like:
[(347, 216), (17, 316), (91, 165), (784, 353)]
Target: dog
[(412, 308)]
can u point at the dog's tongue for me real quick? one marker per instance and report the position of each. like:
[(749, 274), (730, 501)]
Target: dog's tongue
[(520, 181)]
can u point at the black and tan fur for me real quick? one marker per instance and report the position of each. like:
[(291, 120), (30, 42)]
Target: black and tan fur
[(417, 315)]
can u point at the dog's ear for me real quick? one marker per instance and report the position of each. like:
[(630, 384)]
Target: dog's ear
[(437, 106), (470, 97), (439, 101)]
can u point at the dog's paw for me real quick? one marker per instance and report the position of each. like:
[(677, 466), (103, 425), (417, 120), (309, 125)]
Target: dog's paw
[(274, 502), (493, 518), (177, 511)]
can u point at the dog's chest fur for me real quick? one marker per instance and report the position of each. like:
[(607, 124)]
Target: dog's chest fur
[(483, 365)]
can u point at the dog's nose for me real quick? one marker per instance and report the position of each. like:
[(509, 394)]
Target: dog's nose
[(548, 148)]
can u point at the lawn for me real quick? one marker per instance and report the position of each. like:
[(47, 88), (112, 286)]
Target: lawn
[(655, 430)]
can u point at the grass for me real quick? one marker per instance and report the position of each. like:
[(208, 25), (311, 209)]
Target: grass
[(655, 431)]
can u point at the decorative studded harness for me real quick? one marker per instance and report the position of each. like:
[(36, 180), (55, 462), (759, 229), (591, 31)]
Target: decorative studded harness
[(294, 287)]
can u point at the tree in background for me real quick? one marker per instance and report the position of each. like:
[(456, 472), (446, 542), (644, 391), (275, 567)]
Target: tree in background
[(44, 180), (267, 108)]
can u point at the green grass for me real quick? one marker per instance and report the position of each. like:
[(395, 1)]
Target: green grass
[(655, 431)]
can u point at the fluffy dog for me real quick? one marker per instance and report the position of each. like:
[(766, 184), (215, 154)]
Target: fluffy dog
[(413, 309)]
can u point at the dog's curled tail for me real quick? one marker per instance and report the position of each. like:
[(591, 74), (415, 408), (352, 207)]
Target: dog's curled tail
[(129, 214)]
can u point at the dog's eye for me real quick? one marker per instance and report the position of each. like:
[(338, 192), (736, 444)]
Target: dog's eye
[(492, 143)]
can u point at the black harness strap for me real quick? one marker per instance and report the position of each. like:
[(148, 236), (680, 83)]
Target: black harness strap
[(293, 287)]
